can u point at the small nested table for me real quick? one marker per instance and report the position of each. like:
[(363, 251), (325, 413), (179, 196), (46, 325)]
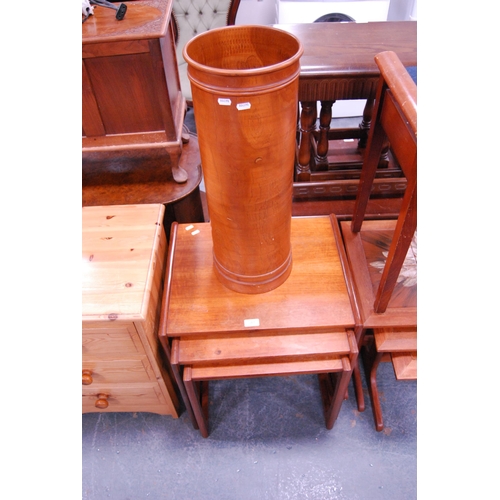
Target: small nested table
[(304, 326)]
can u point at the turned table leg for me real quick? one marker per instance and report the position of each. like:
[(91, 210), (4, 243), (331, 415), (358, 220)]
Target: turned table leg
[(308, 117), (365, 128), (325, 119), (365, 123)]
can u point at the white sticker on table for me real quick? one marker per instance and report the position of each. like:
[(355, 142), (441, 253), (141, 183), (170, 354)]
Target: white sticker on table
[(251, 322)]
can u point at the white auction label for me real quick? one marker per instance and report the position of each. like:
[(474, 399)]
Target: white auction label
[(224, 101), (251, 322), (243, 105)]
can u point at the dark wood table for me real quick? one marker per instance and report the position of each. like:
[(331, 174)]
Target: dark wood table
[(133, 111), (338, 64), (141, 180), (338, 57)]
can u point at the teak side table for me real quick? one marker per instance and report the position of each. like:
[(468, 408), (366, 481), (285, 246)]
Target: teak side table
[(123, 262), (304, 326)]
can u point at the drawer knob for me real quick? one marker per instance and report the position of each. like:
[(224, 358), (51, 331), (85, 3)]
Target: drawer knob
[(102, 401), (86, 377)]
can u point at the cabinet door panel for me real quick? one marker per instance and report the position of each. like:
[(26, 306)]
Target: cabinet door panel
[(125, 90)]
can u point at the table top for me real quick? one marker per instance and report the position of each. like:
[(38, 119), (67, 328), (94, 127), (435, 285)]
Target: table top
[(139, 180), (313, 299), (144, 19), (340, 49), (119, 244)]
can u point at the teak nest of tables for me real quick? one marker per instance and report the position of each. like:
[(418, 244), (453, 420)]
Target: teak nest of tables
[(303, 326)]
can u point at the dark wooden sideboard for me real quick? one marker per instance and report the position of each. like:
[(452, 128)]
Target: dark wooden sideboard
[(133, 112)]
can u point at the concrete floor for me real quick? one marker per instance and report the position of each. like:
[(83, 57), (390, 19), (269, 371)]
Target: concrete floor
[(267, 441)]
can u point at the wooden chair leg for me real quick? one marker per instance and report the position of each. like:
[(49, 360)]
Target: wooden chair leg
[(195, 401)]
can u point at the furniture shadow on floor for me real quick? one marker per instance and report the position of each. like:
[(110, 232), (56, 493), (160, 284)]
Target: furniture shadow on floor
[(290, 407), (263, 408)]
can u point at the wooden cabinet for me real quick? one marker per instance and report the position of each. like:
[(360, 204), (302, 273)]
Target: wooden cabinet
[(133, 145), (123, 260), (132, 104)]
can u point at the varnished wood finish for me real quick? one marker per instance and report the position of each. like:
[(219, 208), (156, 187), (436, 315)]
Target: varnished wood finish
[(162, 329), (123, 259), (303, 326), (378, 250), (337, 64), (338, 60), (244, 81), (233, 11), (87, 377), (145, 19), (396, 120), (215, 372), (364, 249), (130, 74), (336, 366), (382, 208), (401, 343), (396, 339), (405, 365), (136, 179), (260, 347), (132, 105), (301, 304)]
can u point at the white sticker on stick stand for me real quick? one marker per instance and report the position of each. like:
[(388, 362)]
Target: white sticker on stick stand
[(243, 105), (224, 102)]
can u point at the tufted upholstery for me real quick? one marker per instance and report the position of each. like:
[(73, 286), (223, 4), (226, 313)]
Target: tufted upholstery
[(197, 16)]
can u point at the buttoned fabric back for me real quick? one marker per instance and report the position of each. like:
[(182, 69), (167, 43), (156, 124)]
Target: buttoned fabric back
[(194, 17)]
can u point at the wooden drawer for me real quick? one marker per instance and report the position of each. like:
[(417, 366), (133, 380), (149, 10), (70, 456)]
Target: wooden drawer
[(119, 371), (125, 397), (105, 340)]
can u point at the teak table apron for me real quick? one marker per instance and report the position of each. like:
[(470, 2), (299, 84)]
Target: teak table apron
[(244, 82)]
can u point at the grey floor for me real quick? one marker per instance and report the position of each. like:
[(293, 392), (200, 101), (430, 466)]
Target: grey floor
[(268, 441)]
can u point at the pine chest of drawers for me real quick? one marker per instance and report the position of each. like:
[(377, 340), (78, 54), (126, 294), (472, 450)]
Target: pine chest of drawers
[(123, 260)]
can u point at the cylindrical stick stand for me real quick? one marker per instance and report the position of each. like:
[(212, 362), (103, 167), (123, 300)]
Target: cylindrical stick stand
[(244, 82)]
